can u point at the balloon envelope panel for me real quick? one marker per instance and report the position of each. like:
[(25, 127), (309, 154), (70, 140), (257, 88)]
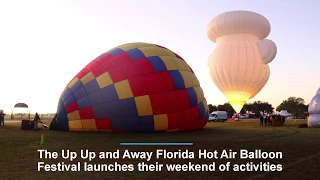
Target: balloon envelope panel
[(234, 22), (314, 106), (136, 87), (314, 111), (314, 120), (237, 70)]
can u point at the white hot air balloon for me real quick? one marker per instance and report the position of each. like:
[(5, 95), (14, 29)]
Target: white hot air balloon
[(239, 64), (314, 111)]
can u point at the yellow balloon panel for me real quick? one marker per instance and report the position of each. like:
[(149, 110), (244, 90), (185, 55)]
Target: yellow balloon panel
[(73, 82), (73, 115), (123, 89), (89, 125), (130, 46), (104, 80), (75, 125), (181, 65), (187, 78), (161, 122), (155, 51), (200, 95), (144, 106), (87, 78), (169, 62)]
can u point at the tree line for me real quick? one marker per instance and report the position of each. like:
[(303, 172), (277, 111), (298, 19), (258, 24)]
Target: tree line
[(294, 105)]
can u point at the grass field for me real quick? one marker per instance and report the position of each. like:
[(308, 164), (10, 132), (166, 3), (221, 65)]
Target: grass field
[(300, 148)]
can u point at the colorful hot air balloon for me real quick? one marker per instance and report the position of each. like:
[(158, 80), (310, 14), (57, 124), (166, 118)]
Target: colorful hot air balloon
[(239, 64), (136, 87), (314, 111)]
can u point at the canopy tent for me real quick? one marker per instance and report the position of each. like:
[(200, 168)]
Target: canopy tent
[(20, 106), (284, 113)]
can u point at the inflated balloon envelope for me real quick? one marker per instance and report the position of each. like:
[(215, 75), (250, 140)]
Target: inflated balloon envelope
[(239, 64), (136, 87), (314, 111)]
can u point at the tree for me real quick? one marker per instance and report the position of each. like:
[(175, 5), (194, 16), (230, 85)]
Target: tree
[(226, 107), (212, 108), (295, 106), (258, 106)]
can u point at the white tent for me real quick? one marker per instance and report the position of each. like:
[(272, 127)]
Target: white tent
[(284, 113)]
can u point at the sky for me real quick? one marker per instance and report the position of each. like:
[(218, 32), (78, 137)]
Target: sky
[(45, 43)]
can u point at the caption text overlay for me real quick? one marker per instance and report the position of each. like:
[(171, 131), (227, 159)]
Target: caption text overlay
[(83, 160)]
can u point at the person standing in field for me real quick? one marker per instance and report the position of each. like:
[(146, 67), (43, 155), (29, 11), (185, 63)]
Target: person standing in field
[(283, 119), (261, 120), (268, 120), (36, 121), (265, 119), (2, 118)]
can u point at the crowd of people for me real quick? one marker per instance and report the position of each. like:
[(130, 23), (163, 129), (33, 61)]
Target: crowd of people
[(266, 119)]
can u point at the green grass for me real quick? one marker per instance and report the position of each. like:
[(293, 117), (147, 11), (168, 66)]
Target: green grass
[(19, 156)]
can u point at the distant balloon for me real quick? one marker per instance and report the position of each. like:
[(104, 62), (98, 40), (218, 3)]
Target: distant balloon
[(314, 111), (135, 87), (239, 64)]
